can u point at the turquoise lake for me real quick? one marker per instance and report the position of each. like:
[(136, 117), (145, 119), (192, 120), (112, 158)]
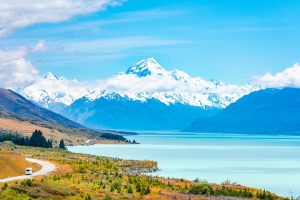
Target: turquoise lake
[(267, 162)]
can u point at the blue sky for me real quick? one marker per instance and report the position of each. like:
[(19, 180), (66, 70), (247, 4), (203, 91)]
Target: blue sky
[(229, 40)]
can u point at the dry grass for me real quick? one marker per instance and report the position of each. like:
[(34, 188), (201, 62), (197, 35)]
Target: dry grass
[(74, 138), (12, 164), (26, 129)]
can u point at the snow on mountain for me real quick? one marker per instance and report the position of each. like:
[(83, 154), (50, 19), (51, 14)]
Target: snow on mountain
[(51, 91), (147, 67), (143, 81), (148, 80)]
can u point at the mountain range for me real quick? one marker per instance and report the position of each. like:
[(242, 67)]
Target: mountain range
[(269, 111), (124, 114), (146, 96)]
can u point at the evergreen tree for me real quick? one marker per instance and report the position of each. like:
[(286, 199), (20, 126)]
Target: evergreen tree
[(62, 144), (49, 144), (38, 140)]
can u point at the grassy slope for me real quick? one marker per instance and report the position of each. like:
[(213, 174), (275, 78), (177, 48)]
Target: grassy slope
[(82, 176), (13, 164), (26, 129), (19, 114), (17, 106), (54, 132)]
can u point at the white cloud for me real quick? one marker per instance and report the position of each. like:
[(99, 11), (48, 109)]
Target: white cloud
[(15, 70), (12, 54), (290, 77), (16, 14), (168, 89), (119, 44), (132, 83), (40, 46)]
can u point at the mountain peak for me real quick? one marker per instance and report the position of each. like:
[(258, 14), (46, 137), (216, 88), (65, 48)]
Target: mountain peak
[(51, 76), (180, 75), (145, 67)]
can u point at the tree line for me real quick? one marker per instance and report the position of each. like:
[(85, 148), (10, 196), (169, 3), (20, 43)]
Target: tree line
[(36, 140)]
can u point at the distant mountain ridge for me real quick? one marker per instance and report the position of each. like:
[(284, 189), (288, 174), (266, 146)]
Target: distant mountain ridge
[(166, 100), (269, 111), (152, 82), (122, 113), (53, 92)]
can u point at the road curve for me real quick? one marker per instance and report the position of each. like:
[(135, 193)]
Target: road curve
[(46, 168)]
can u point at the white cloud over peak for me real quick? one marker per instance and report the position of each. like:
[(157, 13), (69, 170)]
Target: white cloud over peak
[(40, 46), (132, 83), (290, 77), (16, 14), (15, 70)]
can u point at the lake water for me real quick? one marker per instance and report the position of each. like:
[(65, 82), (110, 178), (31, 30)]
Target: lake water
[(267, 162)]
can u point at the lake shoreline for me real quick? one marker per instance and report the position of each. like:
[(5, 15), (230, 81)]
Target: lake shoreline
[(216, 157)]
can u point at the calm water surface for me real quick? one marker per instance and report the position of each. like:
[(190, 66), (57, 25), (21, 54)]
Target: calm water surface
[(269, 162)]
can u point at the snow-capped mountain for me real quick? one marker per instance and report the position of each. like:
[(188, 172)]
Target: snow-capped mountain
[(143, 81), (144, 97), (147, 67), (149, 80), (53, 92)]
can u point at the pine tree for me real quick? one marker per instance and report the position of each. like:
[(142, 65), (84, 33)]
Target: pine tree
[(49, 144), (62, 144), (38, 140)]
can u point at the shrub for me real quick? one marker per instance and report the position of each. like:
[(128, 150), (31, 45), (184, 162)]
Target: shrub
[(107, 197), (197, 180), (129, 189), (4, 186), (88, 197), (27, 182), (203, 189), (265, 195)]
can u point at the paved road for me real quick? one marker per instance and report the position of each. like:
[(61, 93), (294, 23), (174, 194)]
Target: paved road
[(46, 168)]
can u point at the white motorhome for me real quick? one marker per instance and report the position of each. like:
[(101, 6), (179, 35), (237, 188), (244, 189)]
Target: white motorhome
[(28, 171)]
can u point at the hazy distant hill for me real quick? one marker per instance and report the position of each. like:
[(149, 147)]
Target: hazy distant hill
[(123, 113), (270, 111)]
